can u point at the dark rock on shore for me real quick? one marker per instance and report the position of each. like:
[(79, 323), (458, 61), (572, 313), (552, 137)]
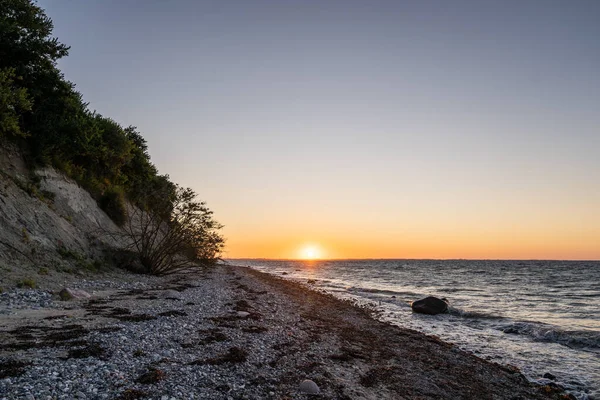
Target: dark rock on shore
[(548, 375), (73, 294), (430, 305)]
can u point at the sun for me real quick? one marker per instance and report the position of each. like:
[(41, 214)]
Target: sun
[(310, 252)]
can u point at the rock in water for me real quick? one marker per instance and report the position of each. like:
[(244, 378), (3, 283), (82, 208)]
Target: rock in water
[(548, 375), (429, 305), (70, 294), (309, 387)]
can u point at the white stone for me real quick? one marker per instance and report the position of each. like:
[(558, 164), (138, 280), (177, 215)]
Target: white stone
[(309, 387), (69, 294), (243, 314)]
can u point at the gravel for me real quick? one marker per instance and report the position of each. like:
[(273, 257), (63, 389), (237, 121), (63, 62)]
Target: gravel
[(230, 333), (131, 348), (19, 299)]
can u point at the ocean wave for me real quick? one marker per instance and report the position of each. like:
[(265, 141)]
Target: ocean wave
[(548, 333), (383, 292), (472, 314), (460, 289)]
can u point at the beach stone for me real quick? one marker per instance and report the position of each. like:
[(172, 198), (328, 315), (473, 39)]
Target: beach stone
[(548, 375), (243, 314), (430, 305), (73, 294), (309, 387)]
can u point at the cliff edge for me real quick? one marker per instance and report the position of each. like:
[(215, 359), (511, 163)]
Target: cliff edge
[(50, 228)]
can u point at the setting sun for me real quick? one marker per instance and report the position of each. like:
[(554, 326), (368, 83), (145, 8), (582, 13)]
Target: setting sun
[(310, 252)]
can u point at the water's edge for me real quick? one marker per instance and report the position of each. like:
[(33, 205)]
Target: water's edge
[(545, 352)]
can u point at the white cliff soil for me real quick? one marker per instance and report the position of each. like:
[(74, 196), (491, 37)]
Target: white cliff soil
[(50, 231)]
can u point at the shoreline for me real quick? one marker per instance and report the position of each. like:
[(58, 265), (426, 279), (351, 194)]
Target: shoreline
[(235, 332)]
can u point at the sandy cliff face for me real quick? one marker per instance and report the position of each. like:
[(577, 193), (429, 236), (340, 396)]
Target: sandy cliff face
[(52, 225)]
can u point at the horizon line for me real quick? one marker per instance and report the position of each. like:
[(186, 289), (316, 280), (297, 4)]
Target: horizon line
[(408, 259)]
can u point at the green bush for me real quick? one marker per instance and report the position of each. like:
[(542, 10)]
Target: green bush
[(113, 204), (13, 101), (27, 283)]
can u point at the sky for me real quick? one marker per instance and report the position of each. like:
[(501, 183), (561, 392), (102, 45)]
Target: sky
[(360, 129)]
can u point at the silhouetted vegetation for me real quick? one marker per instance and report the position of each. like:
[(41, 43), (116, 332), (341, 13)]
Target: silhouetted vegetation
[(47, 118), (176, 234)]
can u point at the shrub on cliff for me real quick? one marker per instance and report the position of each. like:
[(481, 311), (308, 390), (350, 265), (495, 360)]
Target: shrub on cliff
[(178, 234), (13, 101), (113, 204)]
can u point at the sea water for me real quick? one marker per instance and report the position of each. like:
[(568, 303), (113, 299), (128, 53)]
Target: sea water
[(540, 316)]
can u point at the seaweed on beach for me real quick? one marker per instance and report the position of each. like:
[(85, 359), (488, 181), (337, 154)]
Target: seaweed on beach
[(173, 313), (44, 336), (379, 375), (180, 285), (151, 376), (91, 350), (108, 329), (281, 346), (242, 305), (135, 317), (132, 394), (147, 297), (133, 292), (212, 336), (53, 317), (347, 354), (93, 309), (233, 355), (98, 301), (226, 321), (248, 289), (65, 335), (139, 353), (12, 368), (116, 311), (255, 329), (310, 367)]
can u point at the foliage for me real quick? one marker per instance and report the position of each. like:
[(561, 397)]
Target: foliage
[(81, 261), (44, 113), (13, 102), (61, 130), (177, 234), (25, 236), (113, 204), (27, 283)]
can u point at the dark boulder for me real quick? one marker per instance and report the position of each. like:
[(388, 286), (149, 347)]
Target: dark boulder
[(548, 375), (430, 305)]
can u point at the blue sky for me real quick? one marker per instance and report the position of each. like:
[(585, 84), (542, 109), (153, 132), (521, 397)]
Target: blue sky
[(406, 123)]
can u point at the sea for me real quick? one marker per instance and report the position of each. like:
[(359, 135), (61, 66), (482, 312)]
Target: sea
[(540, 316)]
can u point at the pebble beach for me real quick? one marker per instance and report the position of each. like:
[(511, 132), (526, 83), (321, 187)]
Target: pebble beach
[(228, 333)]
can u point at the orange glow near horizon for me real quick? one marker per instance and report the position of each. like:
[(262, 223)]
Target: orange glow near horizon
[(310, 252), (440, 244), (478, 225)]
